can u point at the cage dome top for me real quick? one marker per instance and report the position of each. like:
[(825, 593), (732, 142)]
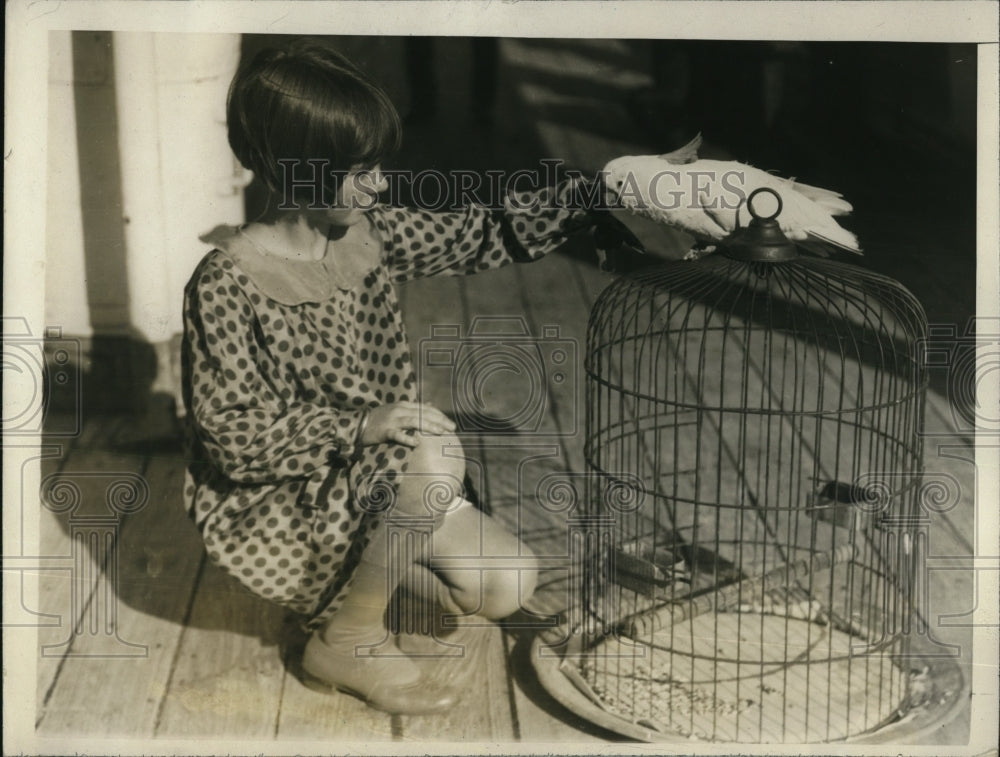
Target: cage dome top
[(724, 315)]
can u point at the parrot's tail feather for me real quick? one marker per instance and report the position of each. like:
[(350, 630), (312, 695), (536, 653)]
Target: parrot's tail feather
[(686, 154), (833, 202), (836, 207), (840, 238)]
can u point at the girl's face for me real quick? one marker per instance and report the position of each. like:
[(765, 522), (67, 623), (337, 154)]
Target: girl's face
[(358, 193)]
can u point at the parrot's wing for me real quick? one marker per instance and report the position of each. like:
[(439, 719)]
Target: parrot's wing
[(686, 154), (650, 186), (688, 217), (805, 218), (723, 216), (706, 198), (807, 213), (819, 249), (700, 223)]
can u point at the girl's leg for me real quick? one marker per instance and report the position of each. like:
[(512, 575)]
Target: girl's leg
[(337, 653), (360, 617), (342, 655), (425, 611), (462, 577), (486, 569)]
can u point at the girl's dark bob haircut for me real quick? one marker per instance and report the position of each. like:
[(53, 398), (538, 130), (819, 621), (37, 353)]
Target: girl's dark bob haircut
[(300, 109)]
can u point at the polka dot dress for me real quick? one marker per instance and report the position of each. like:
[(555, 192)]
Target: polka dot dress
[(280, 361)]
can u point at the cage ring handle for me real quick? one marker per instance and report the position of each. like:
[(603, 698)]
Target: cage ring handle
[(759, 190)]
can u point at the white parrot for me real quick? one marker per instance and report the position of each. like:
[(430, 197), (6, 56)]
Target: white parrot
[(706, 198)]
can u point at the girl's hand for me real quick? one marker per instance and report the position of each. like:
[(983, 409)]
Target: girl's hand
[(400, 422)]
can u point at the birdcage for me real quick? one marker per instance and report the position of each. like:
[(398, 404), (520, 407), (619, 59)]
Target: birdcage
[(751, 539)]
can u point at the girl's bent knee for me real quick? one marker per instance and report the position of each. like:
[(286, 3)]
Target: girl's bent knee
[(434, 476), (440, 453), (506, 591)]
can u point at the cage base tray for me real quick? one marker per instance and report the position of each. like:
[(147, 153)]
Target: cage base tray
[(934, 698)]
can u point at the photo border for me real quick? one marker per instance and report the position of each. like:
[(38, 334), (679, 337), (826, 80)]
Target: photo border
[(28, 24)]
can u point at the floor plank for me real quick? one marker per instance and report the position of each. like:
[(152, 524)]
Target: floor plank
[(78, 590), (157, 562), (523, 467), (308, 714), (46, 593), (551, 304), (506, 459), (949, 462), (525, 471), (228, 675)]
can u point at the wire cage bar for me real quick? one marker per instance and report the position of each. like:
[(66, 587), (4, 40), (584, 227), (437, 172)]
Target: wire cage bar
[(758, 584)]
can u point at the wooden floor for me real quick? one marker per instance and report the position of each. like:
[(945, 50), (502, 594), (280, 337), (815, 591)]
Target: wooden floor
[(191, 655)]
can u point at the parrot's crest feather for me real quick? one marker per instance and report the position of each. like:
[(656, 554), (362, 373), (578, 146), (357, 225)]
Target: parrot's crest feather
[(686, 154)]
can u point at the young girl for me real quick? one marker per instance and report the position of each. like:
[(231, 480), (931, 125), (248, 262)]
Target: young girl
[(301, 397)]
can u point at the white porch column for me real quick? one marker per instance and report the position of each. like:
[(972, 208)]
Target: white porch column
[(203, 183), (179, 179), (143, 201)]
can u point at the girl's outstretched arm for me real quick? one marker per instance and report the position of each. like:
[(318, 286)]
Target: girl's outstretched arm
[(252, 430), (531, 224)]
